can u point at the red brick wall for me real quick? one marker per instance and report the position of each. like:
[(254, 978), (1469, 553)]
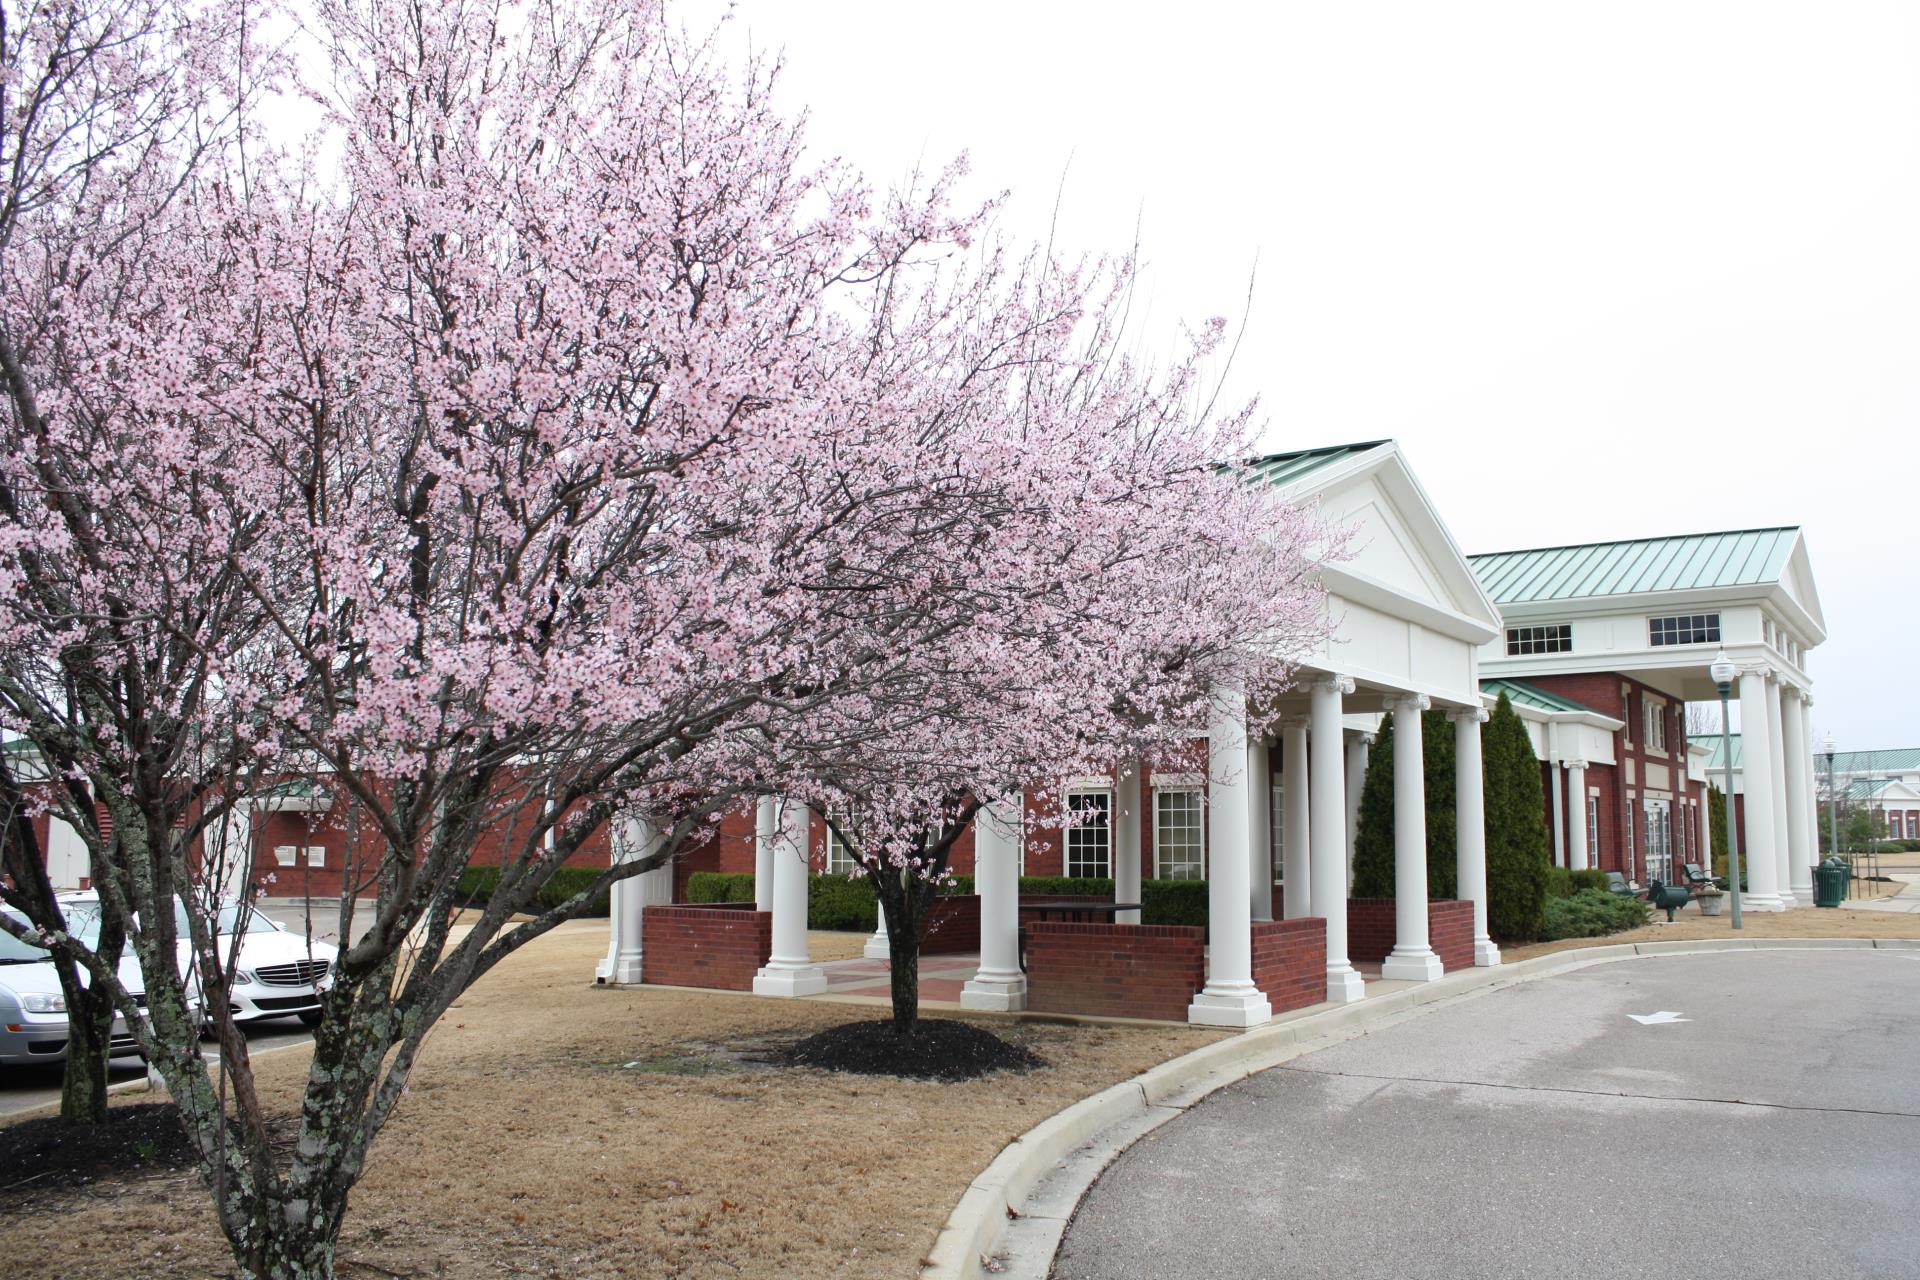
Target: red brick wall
[(953, 926), (716, 946), (1290, 961), (1120, 971), (1450, 926), (1371, 930)]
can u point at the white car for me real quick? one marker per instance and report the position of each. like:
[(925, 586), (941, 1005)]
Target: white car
[(33, 1007), (278, 973)]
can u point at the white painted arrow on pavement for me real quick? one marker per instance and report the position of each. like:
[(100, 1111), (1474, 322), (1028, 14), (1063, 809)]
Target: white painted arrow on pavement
[(1655, 1019)]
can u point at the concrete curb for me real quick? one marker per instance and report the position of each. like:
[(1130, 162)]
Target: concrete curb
[(1012, 1217)]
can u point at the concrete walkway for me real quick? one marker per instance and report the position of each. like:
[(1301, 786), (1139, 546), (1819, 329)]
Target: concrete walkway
[(1763, 1121), (1904, 899)]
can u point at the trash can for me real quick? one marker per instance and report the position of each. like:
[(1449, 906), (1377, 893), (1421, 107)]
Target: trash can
[(1830, 882)]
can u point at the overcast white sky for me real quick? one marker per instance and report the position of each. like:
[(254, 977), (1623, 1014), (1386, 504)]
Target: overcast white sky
[(1606, 270)]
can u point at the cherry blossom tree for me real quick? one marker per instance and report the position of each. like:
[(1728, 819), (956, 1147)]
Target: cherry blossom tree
[(547, 440)]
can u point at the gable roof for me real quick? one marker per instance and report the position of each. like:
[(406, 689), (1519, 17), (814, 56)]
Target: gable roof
[(1746, 557), (1522, 694), (1895, 760), (1717, 760), (1283, 469)]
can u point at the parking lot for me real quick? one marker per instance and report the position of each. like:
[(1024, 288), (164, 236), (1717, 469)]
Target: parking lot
[(28, 1088)]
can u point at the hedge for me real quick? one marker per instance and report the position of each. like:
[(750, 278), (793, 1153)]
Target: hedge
[(1591, 913), (477, 885), (1563, 882), (835, 902)]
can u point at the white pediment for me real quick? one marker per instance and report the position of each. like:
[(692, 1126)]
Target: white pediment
[(1400, 558)]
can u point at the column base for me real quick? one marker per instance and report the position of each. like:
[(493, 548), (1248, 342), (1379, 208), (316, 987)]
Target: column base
[(1237, 1006), (1755, 902), (624, 972), (995, 992), (1486, 953), (790, 981), (1803, 893), (1787, 901), (877, 948), (1411, 966), (1344, 984)]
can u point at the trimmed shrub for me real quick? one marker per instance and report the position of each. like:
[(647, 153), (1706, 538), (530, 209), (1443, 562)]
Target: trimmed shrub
[(835, 902), (1174, 902), (477, 885), (1591, 913), (1589, 879), (720, 886), (1373, 842), (1559, 882), (1517, 841)]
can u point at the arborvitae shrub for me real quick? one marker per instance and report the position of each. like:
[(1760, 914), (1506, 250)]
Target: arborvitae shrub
[(1373, 845), (1518, 846)]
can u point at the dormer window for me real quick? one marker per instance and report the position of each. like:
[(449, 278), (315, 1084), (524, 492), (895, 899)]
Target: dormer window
[(1522, 641)]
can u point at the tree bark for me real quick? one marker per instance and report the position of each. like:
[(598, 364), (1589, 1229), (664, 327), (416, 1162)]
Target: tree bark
[(83, 1086)]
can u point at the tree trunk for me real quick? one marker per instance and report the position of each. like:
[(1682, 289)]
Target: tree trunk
[(284, 1246), (903, 954), (83, 1087)]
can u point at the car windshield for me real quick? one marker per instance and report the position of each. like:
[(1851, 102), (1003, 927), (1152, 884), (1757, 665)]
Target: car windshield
[(14, 951), (229, 920), (83, 921)]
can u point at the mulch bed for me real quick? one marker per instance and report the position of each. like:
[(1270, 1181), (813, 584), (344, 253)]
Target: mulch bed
[(937, 1049), (47, 1154)]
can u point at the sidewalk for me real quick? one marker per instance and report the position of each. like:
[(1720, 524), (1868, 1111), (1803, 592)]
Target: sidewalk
[(1906, 899)]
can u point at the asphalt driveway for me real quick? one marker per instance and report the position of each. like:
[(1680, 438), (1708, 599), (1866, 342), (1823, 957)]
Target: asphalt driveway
[(1771, 1129)]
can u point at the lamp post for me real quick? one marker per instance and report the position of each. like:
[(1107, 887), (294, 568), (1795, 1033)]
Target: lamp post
[(1723, 672), (1833, 804)]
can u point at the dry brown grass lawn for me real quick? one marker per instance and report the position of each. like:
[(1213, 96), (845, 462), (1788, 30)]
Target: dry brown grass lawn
[(532, 1145)]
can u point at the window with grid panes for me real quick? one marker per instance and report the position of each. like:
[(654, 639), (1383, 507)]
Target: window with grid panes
[(1685, 628), (1179, 837), (1550, 639), (1090, 839), (839, 854)]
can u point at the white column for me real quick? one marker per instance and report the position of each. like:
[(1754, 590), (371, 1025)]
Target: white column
[(1259, 829), (879, 946), (1470, 816), (1326, 767), (1577, 814), (1798, 748), (1412, 958), (1127, 820), (1229, 999), (1814, 825), (1782, 826), (999, 985), (1295, 841), (1757, 852), (790, 971), (1358, 749), (628, 900), (1705, 813), (766, 834)]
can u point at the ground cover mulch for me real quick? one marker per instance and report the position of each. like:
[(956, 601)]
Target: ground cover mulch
[(936, 1049), (558, 1129), (46, 1154)]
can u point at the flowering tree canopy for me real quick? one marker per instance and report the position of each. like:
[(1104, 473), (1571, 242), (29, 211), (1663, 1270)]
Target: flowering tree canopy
[(545, 439)]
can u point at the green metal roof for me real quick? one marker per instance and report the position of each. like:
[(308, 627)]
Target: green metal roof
[(1689, 562), (1282, 469), (1522, 694), (1867, 788), (1896, 760), (1718, 760)]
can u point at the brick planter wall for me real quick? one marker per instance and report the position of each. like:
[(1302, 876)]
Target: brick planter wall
[(953, 926), (1370, 930), (1290, 961), (722, 945), (1114, 970), (1450, 922)]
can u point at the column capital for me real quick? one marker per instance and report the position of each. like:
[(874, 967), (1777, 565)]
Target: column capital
[(1762, 669), (1293, 722), (1410, 702), (1469, 715), (1571, 765), (1342, 685)]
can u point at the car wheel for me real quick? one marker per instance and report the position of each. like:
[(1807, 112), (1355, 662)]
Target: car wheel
[(311, 1017)]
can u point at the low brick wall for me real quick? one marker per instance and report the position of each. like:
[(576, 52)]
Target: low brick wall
[(1370, 930), (719, 945), (953, 926), (1450, 922), (1290, 961), (1114, 970)]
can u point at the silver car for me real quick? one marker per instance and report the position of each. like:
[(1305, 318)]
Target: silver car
[(33, 1008)]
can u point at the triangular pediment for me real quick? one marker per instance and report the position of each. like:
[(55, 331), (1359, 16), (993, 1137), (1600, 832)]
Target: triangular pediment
[(1398, 547)]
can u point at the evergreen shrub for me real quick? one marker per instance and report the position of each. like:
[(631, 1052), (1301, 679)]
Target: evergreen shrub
[(1591, 913), (1517, 843), (1373, 842)]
